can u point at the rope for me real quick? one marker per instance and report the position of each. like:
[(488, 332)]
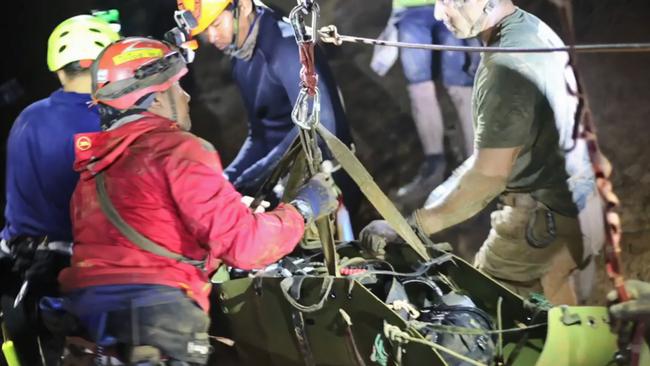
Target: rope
[(308, 76), (326, 289), (471, 331), (399, 305), (379, 354), (499, 355), (395, 334), (351, 342), (602, 169), (329, 34)]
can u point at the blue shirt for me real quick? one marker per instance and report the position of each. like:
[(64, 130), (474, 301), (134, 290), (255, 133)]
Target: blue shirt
[(269, 83), (40, 157)]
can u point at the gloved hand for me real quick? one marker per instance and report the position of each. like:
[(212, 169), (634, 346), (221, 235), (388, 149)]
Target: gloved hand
[(316, 198), (6, 264), (376, 235), (44, 271), (638, 308)]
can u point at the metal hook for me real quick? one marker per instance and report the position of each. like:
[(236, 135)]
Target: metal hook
[(300, 114), (297, 19)]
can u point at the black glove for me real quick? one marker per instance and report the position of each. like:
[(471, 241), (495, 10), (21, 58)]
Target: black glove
[(44, 271), (316, 198), (6, 265), (376, 235)]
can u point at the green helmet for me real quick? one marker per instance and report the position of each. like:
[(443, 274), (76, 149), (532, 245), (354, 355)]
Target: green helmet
[(81, 37)]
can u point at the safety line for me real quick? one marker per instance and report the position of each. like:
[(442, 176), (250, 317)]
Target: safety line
[(329, 34)]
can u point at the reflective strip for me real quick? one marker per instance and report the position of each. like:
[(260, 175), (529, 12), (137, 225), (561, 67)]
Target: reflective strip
[(57, 246)]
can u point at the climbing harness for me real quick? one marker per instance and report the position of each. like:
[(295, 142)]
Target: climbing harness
[(329, 34)]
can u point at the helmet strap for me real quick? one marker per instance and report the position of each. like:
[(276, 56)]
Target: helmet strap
[(172, 106), (235, 32), (111, 117)]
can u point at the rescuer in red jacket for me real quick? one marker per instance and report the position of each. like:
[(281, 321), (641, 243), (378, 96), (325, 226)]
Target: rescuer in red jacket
[(153, 214)]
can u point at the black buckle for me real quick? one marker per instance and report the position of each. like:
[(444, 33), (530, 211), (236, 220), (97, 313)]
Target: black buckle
[(157, 66)]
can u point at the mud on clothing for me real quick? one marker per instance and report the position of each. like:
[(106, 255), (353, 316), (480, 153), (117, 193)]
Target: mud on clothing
[(522, 100), (168, 185), (269, 83), (154, 315)]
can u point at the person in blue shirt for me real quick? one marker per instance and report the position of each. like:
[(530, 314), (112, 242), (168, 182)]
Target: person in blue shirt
[(266, 67), (37, 236)]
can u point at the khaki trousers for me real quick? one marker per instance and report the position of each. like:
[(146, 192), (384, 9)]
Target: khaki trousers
[(507, 255)]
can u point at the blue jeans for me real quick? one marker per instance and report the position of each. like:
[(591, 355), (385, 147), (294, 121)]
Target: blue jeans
[(417, 25)]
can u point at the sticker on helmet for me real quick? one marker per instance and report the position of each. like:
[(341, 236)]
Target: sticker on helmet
[(102, 75), (83, 143), (137, 54)]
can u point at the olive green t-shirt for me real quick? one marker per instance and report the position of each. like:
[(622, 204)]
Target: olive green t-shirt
[(523, 100)]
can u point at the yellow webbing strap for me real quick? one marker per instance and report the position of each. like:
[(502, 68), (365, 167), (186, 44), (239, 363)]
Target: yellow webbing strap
[(373, 193)]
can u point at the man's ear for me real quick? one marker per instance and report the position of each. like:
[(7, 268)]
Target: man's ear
[(157, 104), (157, 99)]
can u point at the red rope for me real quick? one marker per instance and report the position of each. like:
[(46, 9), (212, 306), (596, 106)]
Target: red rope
[(601, 166), (603, 170), (308, 76)]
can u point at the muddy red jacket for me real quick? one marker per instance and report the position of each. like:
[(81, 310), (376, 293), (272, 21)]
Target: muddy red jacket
[(169, 186)]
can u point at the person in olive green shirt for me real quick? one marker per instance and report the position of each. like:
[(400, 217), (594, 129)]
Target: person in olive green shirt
[(549, 213)]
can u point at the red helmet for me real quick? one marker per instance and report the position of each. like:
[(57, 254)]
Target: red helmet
[(133, 67)]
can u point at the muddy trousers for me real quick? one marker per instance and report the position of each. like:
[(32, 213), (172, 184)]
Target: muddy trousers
[(143, 315), (527, 255)]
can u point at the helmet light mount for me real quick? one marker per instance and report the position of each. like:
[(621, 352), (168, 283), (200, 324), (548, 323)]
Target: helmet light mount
[(181, 35)]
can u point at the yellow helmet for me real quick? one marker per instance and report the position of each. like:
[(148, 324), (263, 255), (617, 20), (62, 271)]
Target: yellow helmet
[(205, 11), (78, 38)]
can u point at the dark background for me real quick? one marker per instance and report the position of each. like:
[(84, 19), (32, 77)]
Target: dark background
[(378, 108)]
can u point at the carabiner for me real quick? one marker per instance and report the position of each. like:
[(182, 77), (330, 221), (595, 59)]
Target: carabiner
[(297, 19), (300, 114)]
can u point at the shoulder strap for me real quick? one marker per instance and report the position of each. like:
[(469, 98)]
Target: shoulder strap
[(131, 233)]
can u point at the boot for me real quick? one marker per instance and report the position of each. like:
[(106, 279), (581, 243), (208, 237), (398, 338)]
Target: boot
[(431, 173)]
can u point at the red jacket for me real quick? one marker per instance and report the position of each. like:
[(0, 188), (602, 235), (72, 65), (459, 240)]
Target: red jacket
[(169, 186)]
